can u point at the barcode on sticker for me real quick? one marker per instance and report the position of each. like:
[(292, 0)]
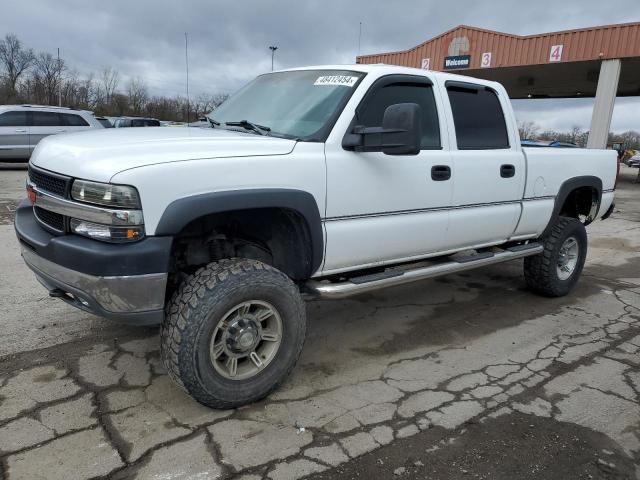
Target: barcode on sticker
[(345, 80)]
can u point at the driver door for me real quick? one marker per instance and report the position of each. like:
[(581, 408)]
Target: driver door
[(382, 208)]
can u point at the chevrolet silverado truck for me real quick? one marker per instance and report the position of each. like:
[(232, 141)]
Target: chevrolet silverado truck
[(319, 182)]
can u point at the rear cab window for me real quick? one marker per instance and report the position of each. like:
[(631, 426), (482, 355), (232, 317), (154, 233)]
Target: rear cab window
[(478, 117)]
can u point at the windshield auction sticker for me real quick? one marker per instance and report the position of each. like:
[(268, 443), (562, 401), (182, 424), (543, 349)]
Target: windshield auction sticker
[(344, 80)]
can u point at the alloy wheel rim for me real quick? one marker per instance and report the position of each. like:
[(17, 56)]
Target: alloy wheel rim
[(245, 340), (568, 258)]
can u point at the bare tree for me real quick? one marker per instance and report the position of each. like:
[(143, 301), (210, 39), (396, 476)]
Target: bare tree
[(630, 139), (138, 96), (528, 130), (48, 74), (574, 135), (39, 78), (109, 79), (15, 60), (206, 103)]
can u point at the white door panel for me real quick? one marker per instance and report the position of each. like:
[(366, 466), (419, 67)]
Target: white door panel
[(477, 178), (473, 226), (375, 183), (395, 192), (385, 188), (489, 168), (383, 239)]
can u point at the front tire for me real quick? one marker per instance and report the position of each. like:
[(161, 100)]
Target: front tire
[(555, 272), (232, 332)]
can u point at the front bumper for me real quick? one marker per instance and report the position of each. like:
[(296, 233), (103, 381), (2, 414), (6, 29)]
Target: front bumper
[(123, 282)]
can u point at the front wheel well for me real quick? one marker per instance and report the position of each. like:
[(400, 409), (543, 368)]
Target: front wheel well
[(279, 237)]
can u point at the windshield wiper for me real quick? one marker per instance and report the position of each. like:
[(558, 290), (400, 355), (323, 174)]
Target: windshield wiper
[(260, 129), (213, 122)]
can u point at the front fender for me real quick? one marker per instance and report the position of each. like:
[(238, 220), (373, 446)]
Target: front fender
[(181, 212)]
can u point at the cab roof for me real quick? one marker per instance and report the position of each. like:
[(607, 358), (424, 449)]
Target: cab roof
[(380, 69)]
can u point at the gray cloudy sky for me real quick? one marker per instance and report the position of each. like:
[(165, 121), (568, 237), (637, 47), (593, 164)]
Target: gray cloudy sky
[(229, 40)]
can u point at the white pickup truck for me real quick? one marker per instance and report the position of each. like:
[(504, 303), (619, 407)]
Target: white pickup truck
[(322, 181)]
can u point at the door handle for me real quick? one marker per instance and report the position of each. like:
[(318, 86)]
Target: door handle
[(440, 173), (507, 171), (21, 130), (60, 131)]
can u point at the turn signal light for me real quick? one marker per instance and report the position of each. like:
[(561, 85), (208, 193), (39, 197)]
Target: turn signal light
[(31, 194), (106, 233)]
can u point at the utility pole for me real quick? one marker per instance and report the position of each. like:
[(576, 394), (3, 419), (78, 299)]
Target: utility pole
[(59, 81), (273, 51), (186, 58), (359, 38)]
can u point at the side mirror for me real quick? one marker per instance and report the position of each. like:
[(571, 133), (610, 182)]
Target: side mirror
[(400, 133)]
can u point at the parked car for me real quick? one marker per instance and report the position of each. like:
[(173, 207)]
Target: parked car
[(386, 175), (23, 126), (633, 161), (123, 122)]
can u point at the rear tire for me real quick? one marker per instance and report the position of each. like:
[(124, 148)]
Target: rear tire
[(555, 272), (233, 332)]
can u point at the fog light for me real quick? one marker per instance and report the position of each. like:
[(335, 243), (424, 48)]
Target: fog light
[(106, 233)]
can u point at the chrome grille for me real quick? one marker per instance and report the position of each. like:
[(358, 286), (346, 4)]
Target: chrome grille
[(56, 184), (49, 219)]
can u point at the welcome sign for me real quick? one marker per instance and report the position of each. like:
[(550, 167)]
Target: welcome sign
[(457, 61)]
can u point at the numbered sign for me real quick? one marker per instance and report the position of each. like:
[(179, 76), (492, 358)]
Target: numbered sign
[(485, 61), (555, 54), (426, 62)]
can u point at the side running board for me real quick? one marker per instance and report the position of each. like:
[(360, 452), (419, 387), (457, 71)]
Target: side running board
[(393, 277)]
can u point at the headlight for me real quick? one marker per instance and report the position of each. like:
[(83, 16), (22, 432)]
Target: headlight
[(107, 233), (118, 196)]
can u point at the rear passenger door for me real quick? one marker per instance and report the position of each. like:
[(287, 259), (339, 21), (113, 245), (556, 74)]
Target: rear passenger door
[(488, 166), (45, 124), (14, 135)]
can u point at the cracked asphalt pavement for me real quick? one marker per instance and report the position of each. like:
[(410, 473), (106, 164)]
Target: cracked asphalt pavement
[(466, 376)]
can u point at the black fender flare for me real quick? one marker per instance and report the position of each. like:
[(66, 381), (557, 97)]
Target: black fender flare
[(567, 187), (183, 211)]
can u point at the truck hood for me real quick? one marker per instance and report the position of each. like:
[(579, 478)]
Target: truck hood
[(99, 155)]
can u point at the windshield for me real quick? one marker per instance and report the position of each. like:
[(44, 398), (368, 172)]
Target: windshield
[(297, 104)]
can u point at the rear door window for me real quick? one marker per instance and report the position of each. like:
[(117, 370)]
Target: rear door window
[(13, 119), (47, 119), (478, 118)]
